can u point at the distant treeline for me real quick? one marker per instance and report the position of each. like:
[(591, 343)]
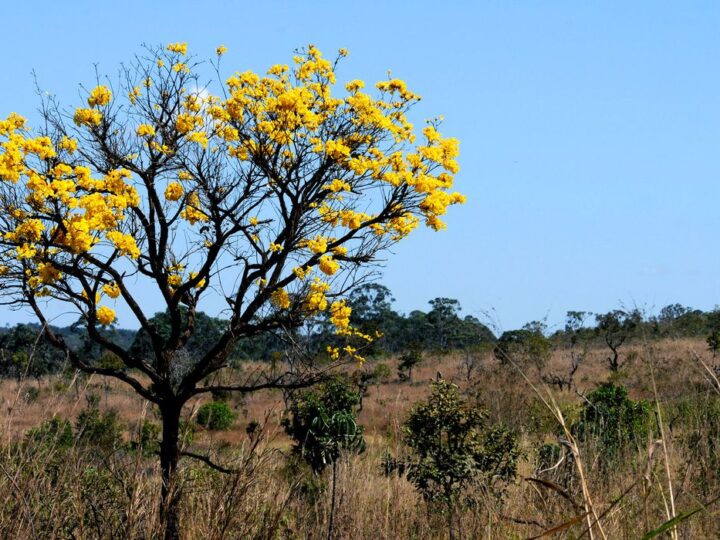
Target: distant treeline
[(23, 352)]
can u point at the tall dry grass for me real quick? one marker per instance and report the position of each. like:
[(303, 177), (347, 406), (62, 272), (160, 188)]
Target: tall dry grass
[(85, 491)]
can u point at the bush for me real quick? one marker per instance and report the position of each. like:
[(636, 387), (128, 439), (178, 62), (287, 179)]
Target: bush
[(148, 438), (613, 420), (323, 423), (56, 432), (102, 430), (215, 416)]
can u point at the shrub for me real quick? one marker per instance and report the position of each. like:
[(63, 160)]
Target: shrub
[(102, 430), (613, 420), (215, 416), (56, 432), (452, 445), (322, 422)]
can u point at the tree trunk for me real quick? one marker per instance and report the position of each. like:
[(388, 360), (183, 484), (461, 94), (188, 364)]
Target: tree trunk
[(169, 457)]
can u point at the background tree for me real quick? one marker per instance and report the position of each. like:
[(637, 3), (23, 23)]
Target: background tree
[(525, 347), (408, 361), (616, 327), (271, 199)]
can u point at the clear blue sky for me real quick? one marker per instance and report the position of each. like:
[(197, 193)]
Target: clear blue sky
[(590, 131)]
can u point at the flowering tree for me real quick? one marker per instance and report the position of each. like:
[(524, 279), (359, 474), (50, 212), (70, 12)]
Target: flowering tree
[(270, 198)]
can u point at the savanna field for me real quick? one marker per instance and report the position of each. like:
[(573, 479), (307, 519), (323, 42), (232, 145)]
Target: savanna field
[(96, 477)]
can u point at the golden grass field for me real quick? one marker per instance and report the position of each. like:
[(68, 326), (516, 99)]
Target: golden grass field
[(82, 494)]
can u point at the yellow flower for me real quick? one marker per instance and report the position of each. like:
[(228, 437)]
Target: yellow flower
[(318, 245), (280, 299), (68, 144), (174, 191), (145, 130), (187, 122), (111, 289), (124, 243), (328, 265), (134, 94), (275, 247), (340, 315), (222, 49), (100, 96), (105, 315), (200, 284), (25, 251), (87, 117), (180, 48), (192, 212), (48, 273)]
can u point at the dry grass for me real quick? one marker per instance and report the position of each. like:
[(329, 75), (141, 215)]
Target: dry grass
[(83, 493)]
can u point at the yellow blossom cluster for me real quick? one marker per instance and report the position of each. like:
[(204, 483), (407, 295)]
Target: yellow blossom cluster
[(179, 48), (105, 315), (328, 265), (68, 209), (280, 299), (174, 191), (145, 131)]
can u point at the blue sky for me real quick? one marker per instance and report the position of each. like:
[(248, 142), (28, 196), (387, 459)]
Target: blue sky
[(589, 130)]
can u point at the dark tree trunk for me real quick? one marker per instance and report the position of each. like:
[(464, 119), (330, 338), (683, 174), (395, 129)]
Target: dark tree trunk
[(169, 457)]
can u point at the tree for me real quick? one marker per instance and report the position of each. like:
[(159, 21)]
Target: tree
[(524, 347), (573, 333), (408, 361), (271, 200), (453, 445), (616, 327), (323, 424)]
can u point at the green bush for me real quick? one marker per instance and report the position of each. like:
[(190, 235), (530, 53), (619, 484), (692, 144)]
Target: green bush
[(99, 429), (56, 432), (613, 420), (323, 423), (215, 415)]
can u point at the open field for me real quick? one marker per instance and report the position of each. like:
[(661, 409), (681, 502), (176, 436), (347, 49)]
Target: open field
[(89, 491)]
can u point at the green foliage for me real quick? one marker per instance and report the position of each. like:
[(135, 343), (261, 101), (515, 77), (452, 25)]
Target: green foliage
[(102, 430), (323, 423), (453, 445), (408, 361), (56, 433), (381, 372), (215, 416), (148, 439), (527, 346), (613, 421)]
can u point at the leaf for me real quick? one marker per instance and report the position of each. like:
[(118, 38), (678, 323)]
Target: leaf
[(671, 523)]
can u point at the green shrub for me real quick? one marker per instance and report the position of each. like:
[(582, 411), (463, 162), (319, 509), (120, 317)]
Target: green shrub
[(102, 430), (323, 423), (56, 432), (148, 438), (215, 415), (613, 420)]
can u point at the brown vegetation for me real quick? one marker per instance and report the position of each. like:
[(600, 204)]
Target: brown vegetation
[(88, 493)]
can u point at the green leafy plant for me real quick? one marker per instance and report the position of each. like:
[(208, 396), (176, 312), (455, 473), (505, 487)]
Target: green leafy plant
[(613, 420), (452, 445), (323, 424), (215, 416)]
